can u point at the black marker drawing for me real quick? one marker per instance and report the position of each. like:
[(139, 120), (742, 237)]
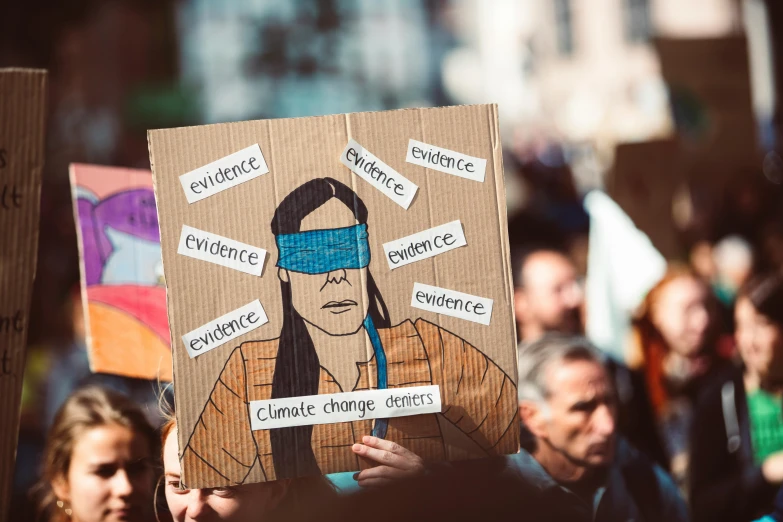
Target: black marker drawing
[(333, 309)]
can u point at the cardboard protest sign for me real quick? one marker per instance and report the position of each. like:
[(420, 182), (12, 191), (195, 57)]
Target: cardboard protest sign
[(710, 94), (123, 291), (22, 113), (384, 303), (709, 81), (709, 85), (643, 182)]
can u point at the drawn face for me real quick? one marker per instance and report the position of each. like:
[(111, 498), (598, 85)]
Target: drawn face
[(335, 302), (110, 477), (236, 503)]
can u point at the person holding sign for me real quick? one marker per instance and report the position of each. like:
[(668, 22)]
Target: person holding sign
[(238, 504), (333, 311)]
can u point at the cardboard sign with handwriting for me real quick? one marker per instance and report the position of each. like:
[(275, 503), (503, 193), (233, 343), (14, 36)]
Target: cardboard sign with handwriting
[(123, 292), (278, 375), (22, 112)]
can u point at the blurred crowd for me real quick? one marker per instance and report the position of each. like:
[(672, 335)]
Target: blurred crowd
[(697, 388)]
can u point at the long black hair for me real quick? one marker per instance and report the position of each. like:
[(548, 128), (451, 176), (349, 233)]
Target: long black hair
[(765, 293), (297, 369)]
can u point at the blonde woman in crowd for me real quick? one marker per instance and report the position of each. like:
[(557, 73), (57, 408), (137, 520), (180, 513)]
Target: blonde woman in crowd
[(98, 461)]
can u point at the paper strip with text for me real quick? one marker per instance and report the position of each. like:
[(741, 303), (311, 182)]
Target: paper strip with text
[(224, 173), (225, 328), (378, 174), (424, 244), (220, 250), (445, 160), (452, 303), (344, 407)]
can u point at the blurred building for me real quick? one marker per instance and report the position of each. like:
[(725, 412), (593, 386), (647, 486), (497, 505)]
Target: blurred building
[(586, 72), (306, 57)]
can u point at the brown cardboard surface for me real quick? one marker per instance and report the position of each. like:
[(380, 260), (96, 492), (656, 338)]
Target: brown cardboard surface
[(474, 364), (643, 182), (123, 291), (22, 112), (714, 74)]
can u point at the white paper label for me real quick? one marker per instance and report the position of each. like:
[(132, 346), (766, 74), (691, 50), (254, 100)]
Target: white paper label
[(344, 407), (452, 303), (378, 174), (445, 160), (225, 328), (220, 250), (425, 244), (224, 173)]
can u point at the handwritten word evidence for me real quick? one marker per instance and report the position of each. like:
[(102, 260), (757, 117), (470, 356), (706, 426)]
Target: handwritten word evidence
[(424, 245), (344, 407), (378, 174), (225, 328), (445, 160), (452, 303), (220, 250), (224, 173)]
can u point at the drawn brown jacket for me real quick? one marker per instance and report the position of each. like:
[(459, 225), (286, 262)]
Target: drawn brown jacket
[(476, 396)]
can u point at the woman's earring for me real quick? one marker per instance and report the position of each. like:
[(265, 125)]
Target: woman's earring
[(61, 505)]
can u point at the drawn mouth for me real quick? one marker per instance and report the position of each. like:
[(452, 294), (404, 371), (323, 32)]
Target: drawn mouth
[(339, 307)]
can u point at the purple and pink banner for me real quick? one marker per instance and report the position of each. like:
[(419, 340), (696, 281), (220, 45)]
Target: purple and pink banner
[(123, 290)]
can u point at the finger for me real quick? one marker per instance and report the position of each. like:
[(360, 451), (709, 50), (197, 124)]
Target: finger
[(383, 444), (375, 482), (382, 472), (386, 458)]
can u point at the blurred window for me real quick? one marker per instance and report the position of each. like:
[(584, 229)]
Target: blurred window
[(637, 20), (564, 22)]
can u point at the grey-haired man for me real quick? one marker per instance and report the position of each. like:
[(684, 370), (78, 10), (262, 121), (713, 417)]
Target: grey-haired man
[(567, 402)]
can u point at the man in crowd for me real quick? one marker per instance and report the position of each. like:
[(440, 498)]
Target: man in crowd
[(547, 295), (548, 298), (576, 457)]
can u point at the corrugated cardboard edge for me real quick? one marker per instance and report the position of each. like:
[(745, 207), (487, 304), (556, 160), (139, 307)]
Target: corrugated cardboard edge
[(82, 269), (500, 186), (160, 234), (177, 398), (31, 80)]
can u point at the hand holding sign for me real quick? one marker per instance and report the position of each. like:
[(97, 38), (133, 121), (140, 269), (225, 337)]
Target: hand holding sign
[(393, 462)]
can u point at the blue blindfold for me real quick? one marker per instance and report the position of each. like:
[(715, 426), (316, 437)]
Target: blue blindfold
[(321, 251)]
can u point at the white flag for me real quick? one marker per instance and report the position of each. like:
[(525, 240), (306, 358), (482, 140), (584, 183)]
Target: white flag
[(622, 266)]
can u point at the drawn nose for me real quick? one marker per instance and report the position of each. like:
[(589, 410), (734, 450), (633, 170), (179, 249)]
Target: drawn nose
[(336, 276)]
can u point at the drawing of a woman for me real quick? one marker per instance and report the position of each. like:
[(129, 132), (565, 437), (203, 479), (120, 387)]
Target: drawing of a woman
[(333, 312)]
